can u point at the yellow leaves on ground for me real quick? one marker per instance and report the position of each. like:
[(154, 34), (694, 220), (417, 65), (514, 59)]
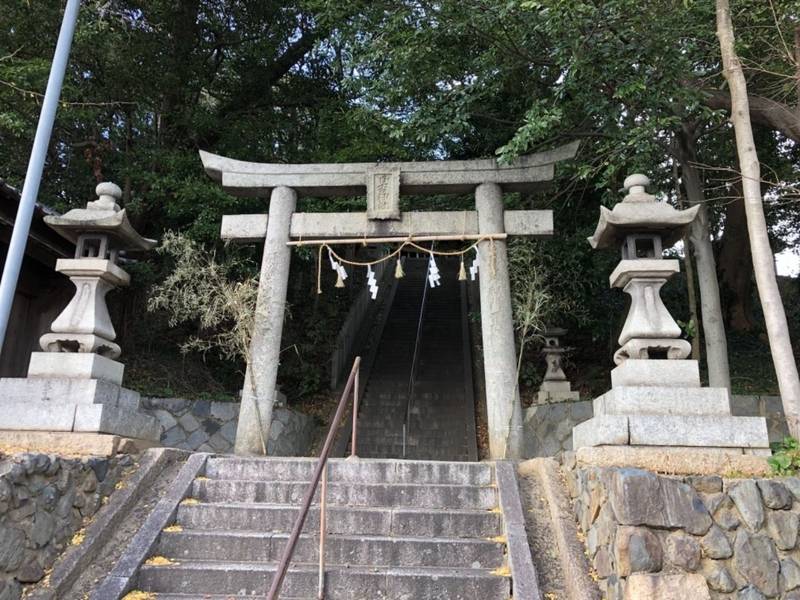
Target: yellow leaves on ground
[(159, 561)]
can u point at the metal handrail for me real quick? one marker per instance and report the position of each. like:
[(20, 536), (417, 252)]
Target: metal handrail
[(322, 463), (414, 359)]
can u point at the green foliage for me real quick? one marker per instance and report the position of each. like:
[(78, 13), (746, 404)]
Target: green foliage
[(689, 328), (785, 459), (537, 125)]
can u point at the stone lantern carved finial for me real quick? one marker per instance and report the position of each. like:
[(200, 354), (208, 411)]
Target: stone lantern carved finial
[(635, 186), (108, 195)]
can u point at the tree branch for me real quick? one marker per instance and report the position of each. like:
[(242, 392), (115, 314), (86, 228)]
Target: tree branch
[(763, 111)]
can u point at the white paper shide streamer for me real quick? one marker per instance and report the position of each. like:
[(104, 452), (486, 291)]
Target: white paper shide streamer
[(337, 266), (473, 270), (434, 279), (372, 283)]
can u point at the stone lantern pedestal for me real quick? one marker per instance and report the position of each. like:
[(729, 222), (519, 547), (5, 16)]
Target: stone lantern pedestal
[(656, 400), (75, 385)]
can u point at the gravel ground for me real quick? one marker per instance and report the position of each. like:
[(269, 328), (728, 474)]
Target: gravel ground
[(541, 540)]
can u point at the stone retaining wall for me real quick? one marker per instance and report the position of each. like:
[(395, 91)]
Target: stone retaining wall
[(548, 427), (706, 536), (200, 425), (44, 501)]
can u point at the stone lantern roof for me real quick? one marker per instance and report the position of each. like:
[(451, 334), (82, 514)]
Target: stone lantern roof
[(640, 212), (102, 216)]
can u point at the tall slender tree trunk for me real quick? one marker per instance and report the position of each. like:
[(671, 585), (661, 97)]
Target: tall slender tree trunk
[(688, 263), (733, 256), (710, 305), (693, 313), (763, 260)]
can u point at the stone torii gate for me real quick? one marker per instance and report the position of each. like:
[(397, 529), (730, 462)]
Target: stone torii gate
[(383, 183)]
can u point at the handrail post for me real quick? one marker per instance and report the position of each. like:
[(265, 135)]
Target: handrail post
[(323, 518), (353, 443)]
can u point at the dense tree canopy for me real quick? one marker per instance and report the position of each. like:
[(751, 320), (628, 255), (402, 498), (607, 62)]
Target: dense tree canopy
[(152, 81)]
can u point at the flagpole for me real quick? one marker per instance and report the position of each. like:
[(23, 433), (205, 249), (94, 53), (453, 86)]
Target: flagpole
[(33, 176)]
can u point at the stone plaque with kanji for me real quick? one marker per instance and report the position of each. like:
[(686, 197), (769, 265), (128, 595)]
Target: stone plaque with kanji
[(383, 193)]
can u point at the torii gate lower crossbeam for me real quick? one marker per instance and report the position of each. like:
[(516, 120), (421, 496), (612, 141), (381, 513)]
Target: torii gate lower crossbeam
[(383, 184)]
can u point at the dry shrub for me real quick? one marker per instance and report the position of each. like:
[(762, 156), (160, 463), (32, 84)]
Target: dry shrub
[(202, 291)]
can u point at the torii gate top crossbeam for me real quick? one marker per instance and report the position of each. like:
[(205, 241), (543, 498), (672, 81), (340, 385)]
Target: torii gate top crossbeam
[(527, 173)]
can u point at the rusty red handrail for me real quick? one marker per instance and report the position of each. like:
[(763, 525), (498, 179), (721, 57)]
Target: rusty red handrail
[(288, 551)]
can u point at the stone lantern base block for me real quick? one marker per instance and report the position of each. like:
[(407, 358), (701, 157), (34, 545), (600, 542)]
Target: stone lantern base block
[(75, 365), (661, 373), (698, 431), (652, 400), (546, 397), (69, 404), (555, 385)]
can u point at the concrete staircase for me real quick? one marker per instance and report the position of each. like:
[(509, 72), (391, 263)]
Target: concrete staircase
[(398, 530), (442, 422)]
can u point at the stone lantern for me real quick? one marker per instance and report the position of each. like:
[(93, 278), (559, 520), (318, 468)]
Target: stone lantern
[(642, 227), (555, 385), (656, 398), (75, 384)]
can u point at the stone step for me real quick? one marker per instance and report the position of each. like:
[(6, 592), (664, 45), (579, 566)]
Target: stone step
[(348, 494), (433, 421), (404, 521), (417, 438), (339, 549), (415, 454), (202, 578), (357, 471), (439, 451)]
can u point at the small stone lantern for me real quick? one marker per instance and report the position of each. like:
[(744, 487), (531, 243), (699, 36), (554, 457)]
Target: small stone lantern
[(555, 385), (656, 400), (75, 384)]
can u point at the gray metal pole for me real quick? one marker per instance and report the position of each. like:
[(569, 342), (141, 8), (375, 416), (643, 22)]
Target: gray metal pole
[(33, 177)]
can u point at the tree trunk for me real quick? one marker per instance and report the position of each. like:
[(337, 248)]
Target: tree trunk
[(734, 258), (694, 316), (710, 305), (763, 260)]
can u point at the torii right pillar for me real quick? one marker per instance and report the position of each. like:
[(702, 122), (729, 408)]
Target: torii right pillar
[(503, 406)]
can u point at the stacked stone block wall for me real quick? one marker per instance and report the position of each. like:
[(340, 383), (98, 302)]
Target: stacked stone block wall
[(44, 502), (200, 425), (721, 538), (548, 427), (769, 407)]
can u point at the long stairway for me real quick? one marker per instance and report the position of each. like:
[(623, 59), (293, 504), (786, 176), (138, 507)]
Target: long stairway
[(400, 530), (441, 423)]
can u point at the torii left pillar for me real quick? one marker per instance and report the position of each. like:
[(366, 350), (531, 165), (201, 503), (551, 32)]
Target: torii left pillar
[(258, 394)]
